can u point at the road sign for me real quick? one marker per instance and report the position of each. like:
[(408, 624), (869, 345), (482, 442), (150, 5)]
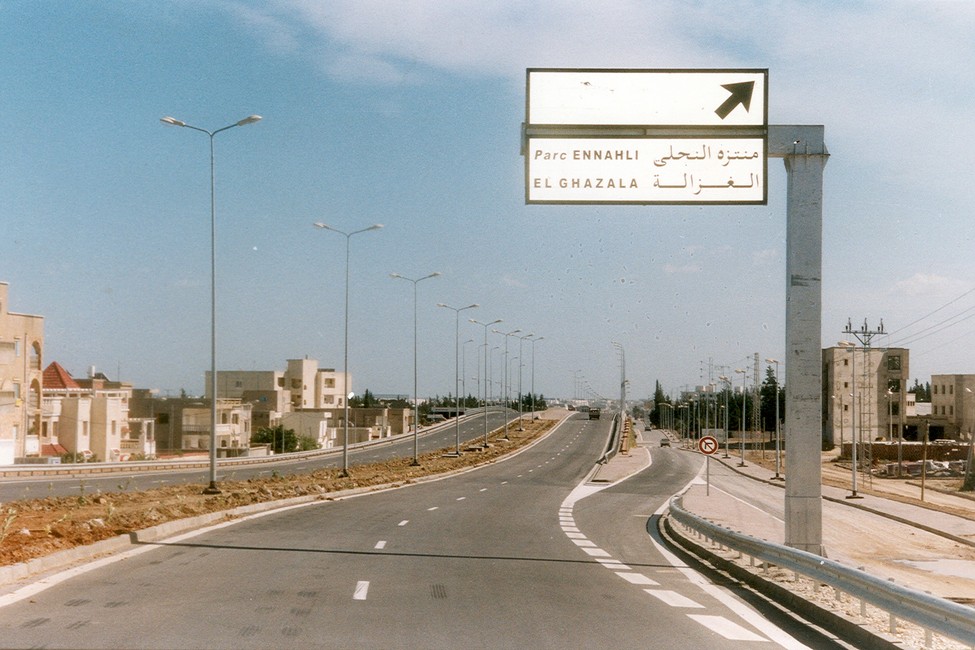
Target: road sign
[(647, 97), (669, 169), (646, 136), (708, 445)]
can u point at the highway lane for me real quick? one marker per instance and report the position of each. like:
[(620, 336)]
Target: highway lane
[(480, 560), (470, 429)]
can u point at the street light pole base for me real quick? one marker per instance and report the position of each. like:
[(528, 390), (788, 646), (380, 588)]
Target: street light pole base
[(742, 464), (344, 474), (853, 496), (778, 478), (415, 463), (451, 454), (211, 489)]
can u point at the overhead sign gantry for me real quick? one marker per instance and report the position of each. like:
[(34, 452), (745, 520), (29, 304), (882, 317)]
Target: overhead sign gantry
[(646, 136)]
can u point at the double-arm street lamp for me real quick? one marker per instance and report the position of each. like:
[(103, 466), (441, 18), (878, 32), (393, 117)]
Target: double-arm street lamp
[(486, 352), (521, 364), (506, 380), (345, 387), (744, 412), (457, 311), (172, 121), (534, 341), (416, 397)]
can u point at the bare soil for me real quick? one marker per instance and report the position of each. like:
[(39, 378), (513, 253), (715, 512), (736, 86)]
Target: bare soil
[(37, 527)]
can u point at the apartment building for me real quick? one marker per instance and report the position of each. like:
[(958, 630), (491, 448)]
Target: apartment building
[(865, 388), (90, 417), (307, 386), (21, 354), (952, 407)]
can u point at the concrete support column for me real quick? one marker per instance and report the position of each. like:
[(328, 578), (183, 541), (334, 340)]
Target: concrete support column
[(805, 160)]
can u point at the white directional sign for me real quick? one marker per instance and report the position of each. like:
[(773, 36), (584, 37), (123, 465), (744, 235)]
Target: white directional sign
[(648, 97), (646, 170), (646, 136)]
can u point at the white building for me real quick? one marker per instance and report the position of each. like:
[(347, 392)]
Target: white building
[(21, 347)]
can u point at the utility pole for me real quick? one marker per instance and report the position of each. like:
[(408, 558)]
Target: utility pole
[(864, 335)]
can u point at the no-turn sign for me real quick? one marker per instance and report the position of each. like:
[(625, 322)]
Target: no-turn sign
[(708, 445)]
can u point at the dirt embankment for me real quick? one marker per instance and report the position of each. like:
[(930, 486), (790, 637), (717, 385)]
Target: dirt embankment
[(37, 527)]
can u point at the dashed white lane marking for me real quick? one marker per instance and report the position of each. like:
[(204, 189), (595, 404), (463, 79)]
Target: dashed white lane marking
[(403, 523), (673, 598), (461, 498), (483, 490), (596, 552), (361, 590), (433, 508), (381, 544), (727, 629), (584, 543), (636, 578), (574, 535), (504, 482)]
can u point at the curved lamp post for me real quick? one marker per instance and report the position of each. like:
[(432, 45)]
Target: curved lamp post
[(457, 311), (345, 388), (416, 397), (485, 326), (172, 121)]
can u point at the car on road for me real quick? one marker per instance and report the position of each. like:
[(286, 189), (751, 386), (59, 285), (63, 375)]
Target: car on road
[(665, 442)]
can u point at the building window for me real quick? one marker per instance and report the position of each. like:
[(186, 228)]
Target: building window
[(894, 362), (951, 389), (846, 362)]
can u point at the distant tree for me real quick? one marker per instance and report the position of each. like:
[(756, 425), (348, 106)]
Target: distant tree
[(281, 440), (922, 393), (771, 390), (658, 399)]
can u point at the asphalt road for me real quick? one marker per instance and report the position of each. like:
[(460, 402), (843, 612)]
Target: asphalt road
[(470, 429), (517, 554)]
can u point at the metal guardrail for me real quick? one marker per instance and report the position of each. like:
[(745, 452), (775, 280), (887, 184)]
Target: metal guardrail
[(938, 615)]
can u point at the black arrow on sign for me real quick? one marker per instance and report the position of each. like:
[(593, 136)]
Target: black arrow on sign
[(741, 93)]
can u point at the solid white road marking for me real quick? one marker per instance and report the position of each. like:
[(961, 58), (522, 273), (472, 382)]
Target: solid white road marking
[(673, 598), (381, 544), (724, 627), (361, 590)]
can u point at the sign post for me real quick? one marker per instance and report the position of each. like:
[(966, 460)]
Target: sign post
[(707, 446), (686, 137)]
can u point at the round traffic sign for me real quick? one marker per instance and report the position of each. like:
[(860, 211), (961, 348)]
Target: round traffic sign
[(708, 445)]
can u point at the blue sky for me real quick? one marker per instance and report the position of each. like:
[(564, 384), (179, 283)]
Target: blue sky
[(408, 114)]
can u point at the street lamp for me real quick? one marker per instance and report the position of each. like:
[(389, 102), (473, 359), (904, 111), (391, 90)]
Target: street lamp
[(457, 311), (345, 388), (521, 363), (534, 341), (744, 408), (727, 433), (506, 380), (486, 352), (172, 121), (777, 461), (416, 397)]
